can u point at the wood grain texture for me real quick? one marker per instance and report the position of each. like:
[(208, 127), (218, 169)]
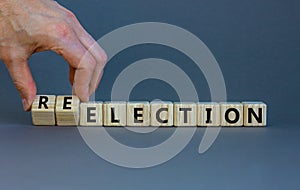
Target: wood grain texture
[(115, 113), (138, 114), (67, 110), (231, 114), (208, 114), (161, 113), (91, 114), (185, 114), (43, 110), (255, 114)]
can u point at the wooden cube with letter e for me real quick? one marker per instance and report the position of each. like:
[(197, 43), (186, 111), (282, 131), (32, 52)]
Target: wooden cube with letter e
[(91, 114), (67, 110), (138, 114)]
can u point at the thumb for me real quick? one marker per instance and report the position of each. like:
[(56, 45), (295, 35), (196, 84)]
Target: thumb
[(23, 80)]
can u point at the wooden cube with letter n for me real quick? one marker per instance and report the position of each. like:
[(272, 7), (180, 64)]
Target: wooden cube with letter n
[(91, 114), (255, 114), (138, 114), (43, 110), (67, 110)]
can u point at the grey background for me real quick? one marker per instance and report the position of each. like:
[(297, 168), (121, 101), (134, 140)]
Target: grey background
[(257, 46)]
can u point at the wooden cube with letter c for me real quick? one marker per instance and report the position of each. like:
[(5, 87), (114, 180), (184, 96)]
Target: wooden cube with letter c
[(161, 113)]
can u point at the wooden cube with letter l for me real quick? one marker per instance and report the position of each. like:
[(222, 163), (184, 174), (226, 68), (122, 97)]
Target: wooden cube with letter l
[(255, 114), (43, 110), (67, 110), (114, 113)]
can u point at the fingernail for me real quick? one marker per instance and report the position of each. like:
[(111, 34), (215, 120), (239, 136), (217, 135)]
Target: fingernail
[(25, 104)]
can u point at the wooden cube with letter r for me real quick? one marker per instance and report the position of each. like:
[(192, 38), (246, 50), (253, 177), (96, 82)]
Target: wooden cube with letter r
[(43, 110)]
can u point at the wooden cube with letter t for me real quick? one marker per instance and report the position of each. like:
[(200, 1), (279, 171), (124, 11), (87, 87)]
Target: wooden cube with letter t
[(67, 110), (138, 114), (185, 114), (114, 113), (43, 110), (91, 114), (255, 114)]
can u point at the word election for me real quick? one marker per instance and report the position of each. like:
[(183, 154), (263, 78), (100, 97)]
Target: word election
[(69, 111)]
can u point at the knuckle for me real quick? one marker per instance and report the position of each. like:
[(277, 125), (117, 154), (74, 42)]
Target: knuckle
[(88, 64), (9, 56), (20, 85), (61, 30), (70, 15), (104, 58), (91, 64)]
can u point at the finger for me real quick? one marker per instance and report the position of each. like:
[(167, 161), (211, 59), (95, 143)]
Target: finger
[(71, 74), (89, 43), (23, 80), (82, 65), (92, 90), (97, 75), (93, 47)]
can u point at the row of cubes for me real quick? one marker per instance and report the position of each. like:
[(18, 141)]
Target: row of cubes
[(69, 111)]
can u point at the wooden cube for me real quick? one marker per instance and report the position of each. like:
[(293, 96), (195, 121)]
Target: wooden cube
[(114, 113), (255, 114), (91, 114), (161, 113), (67, 110), (138, 114), (185, 114), (43, 110), (231, 114), (208, 114)]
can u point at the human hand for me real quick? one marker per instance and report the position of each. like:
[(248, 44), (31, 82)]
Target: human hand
[(30, 26)]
